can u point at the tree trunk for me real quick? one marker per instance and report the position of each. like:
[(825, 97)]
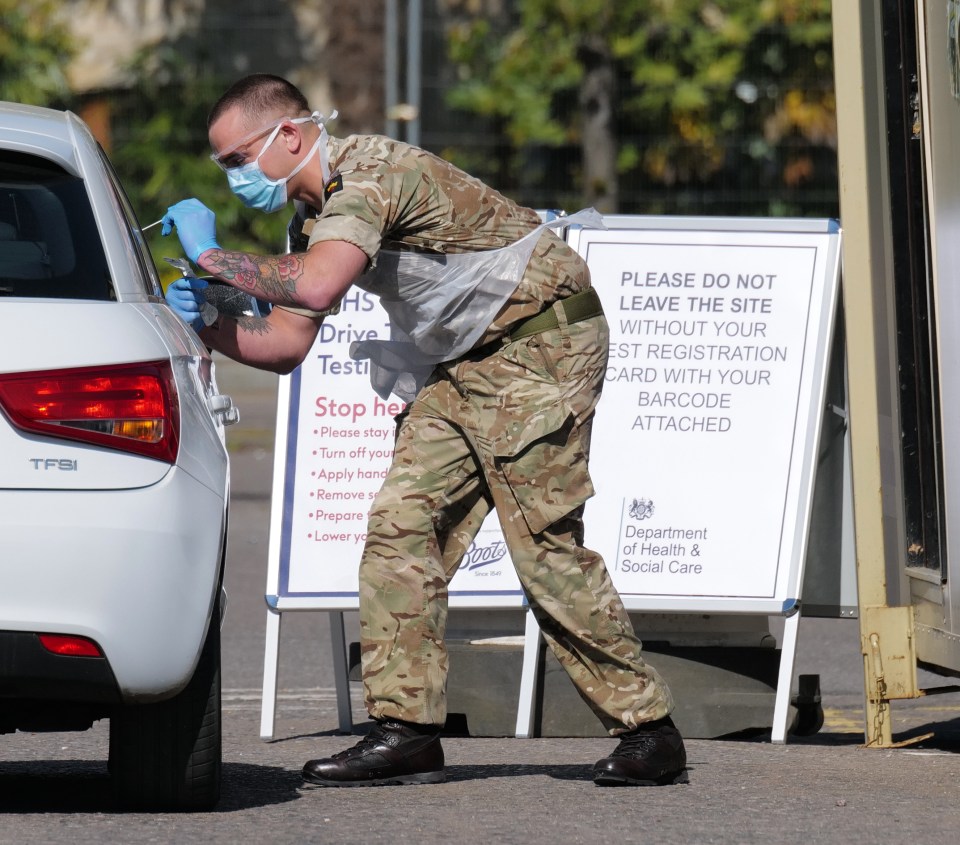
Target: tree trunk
[(598, 141)]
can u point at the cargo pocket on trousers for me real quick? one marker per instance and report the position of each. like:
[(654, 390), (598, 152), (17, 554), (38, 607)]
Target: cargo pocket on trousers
[(545, 465)]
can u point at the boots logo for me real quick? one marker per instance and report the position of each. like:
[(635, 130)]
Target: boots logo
[(641, 508), (478, 556)]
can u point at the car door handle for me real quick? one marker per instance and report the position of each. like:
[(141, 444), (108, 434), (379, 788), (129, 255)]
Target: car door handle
[(222, 405)]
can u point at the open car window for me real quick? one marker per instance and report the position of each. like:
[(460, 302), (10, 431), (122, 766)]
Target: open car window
[(49, 242)]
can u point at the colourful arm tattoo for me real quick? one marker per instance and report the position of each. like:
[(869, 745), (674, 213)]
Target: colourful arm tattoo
[(273, 278)]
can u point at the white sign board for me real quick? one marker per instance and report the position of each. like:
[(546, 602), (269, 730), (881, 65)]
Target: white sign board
[(704, 443), (334, 445)]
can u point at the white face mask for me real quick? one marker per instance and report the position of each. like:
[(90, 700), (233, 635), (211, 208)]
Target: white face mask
[(257, 190)]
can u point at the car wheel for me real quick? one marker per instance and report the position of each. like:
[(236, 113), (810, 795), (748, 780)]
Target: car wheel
[(168, 755)]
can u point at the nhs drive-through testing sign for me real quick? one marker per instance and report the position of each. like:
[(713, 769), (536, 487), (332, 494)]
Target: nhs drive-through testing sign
[(334, 445), (703, 448)]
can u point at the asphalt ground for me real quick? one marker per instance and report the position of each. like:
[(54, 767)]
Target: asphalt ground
[(825, 788)]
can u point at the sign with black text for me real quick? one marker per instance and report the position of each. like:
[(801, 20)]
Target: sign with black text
[(704, 443)]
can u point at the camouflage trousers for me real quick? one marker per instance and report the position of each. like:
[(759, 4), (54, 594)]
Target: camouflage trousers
[(507, 427)]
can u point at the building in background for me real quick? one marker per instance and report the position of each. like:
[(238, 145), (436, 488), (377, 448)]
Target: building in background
[(332, 49)]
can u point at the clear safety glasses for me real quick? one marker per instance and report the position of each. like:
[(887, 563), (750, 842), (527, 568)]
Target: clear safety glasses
[(235, 156)]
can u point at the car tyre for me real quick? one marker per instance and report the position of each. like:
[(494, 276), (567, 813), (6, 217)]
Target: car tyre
[(167, 755)]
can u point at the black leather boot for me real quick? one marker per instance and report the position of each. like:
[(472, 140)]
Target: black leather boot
[(393, 752), (649, 755)]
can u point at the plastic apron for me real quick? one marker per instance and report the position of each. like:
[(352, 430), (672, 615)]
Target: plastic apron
[(440, 305)]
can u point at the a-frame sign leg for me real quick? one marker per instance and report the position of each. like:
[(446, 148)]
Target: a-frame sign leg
[(341, 671), (788, 655), (526, 707), (271, 662)]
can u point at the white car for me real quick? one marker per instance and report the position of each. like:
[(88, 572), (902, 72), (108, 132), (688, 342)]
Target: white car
[(114, 476)]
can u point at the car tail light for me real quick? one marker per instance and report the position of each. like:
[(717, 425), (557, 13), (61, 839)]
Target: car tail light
[(70, 646), (130, 407)]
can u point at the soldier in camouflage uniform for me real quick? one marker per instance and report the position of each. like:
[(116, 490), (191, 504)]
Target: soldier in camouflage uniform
[(505, 424)]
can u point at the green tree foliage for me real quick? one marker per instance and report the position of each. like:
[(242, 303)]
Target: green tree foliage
[(719, 106), (34, 48), (159, 142)]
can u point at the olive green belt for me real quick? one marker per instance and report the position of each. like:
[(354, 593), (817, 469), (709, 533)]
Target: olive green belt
[(579, 306)]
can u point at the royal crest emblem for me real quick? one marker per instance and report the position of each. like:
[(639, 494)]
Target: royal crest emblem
[(641, 508)]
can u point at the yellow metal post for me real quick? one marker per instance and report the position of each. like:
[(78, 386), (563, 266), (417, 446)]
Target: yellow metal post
[(867, 286)]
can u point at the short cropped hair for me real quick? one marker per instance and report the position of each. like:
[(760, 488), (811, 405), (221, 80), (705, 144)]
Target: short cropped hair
[(260, 93)]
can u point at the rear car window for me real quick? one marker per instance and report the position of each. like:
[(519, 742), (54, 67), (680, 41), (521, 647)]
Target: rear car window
[(49, 242)]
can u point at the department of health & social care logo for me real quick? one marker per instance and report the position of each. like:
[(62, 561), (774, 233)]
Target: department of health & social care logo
[(641, 508)]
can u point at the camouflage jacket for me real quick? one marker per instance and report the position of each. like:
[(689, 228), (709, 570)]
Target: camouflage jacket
[(385, 194)]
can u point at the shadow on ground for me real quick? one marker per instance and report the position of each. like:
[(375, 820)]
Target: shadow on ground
[(84, 786)]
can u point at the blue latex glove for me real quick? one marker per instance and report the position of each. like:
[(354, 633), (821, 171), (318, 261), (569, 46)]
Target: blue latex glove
[(185, 297), (196, 227)]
